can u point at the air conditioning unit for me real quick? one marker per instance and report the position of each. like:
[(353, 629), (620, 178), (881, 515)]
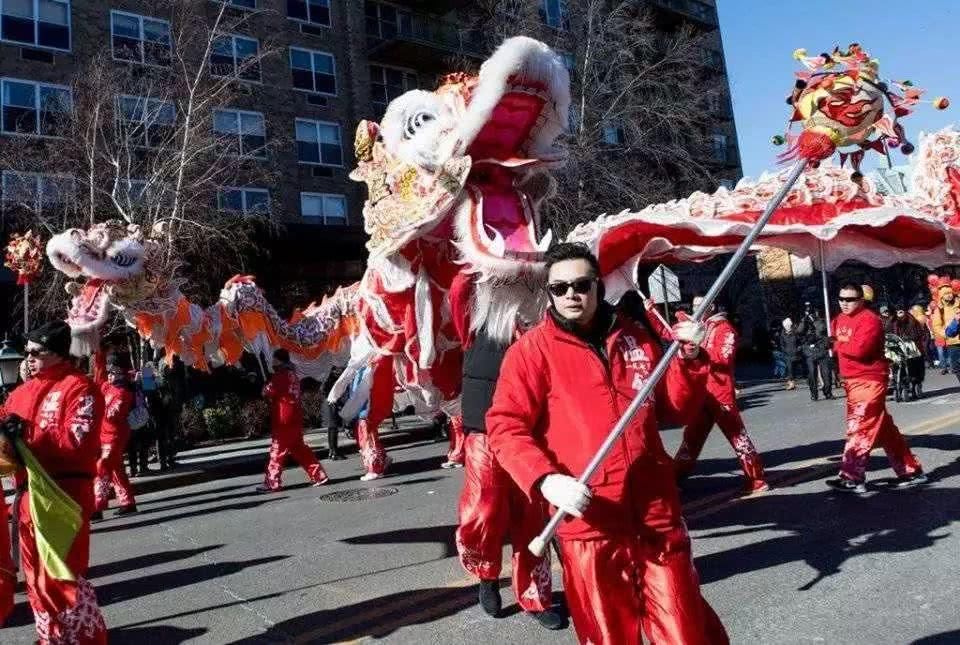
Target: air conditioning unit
[(316, 99)]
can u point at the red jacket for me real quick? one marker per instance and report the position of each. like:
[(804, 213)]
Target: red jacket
[(555, 402), (63, 409), (286, 413), (117, 404), (859, 345), (720, 344)]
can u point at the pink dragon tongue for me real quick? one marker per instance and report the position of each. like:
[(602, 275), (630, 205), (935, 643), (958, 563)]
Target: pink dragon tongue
[(88, 305)]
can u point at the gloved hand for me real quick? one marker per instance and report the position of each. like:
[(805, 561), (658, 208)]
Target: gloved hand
[(11, 426), (566, 493), (690, 335)]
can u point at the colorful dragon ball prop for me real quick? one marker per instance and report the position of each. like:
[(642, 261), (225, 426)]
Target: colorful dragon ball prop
[(24, 256), (842, 104)]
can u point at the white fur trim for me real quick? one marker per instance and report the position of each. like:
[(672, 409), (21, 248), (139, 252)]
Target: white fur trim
[(424, 314)]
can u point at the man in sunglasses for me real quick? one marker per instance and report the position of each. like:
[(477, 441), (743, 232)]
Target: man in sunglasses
[(858, 342), (59, 411), (562, 387)]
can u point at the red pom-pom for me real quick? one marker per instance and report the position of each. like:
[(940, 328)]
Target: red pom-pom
[(814, 146), (932, 279)]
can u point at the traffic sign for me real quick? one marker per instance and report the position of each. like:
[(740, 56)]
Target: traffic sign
[(664, 285)]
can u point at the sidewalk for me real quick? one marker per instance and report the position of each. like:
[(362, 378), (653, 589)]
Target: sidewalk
[(249, 457)]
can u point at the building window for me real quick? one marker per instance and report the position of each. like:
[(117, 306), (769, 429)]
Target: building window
[(34, 108), (318, 142), (35, 191), (387, 83), (244, 133), (42, 23), (718, 143), (150, 122), (386, 21), (313, 71), (323, 208), (569, 61), (139, 39), (555, 14), (236, 56), (613, 134), (249, 201), (316, 12), (729, 184)]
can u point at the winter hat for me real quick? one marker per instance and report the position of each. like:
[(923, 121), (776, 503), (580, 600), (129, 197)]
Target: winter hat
[(54, 336), (787, 324)]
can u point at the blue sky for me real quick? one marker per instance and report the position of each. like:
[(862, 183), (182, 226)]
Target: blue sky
[(917, 40)]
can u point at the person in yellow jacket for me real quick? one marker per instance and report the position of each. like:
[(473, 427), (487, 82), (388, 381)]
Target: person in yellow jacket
[(941, 317)]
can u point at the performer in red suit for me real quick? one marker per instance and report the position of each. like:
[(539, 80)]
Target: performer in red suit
[(60, 410), (286, 425), (720, 406), (8, 570), (627, 566), (858, 342), (118, 399), (455, 454)]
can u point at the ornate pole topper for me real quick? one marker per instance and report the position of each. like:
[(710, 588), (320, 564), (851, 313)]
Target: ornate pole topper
[(841, 103), (25, 258)]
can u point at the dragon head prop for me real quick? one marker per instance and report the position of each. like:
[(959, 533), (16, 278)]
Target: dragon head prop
[(110, 263), (469, 161)]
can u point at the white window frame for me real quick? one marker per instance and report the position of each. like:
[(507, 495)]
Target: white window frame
[(317, 123), (233, 42), (313, 70), (619, 135), (143, 52), (720, 146), (557, 22), (37, 176), (36, 101), (324, 218), (405, 70), (400, 10), (262, 154), (310, 22), (146, 103), (36, 28), (243, 199), (232, 3)]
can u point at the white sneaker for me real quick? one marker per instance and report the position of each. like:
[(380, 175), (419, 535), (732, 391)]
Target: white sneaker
[(370, 477), (451, 464)]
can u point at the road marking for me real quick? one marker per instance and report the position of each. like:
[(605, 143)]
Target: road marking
[(814, 468)]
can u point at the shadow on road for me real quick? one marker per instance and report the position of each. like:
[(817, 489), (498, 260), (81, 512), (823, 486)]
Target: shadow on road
[(826, 529), (161, 497), (145, 561), (157, 634), (439, 534), (946, 638), (106, 528)]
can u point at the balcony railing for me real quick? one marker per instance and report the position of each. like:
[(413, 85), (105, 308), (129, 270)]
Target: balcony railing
[(422, 29), (699, 11)]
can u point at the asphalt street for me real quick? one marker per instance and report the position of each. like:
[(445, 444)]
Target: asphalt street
[(218, 563)]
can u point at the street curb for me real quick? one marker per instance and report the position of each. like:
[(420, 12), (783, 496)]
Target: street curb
[(188, 475)]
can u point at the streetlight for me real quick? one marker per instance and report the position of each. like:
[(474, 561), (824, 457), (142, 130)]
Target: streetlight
[(10, 360)]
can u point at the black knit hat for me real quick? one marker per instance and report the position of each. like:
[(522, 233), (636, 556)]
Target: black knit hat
[(54, 336)]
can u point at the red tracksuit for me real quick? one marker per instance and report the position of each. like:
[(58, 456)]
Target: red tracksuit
[(455, 454), (720, 407), (63, 409), (286, 419), (114, 435), (628, 568), (864, 369)]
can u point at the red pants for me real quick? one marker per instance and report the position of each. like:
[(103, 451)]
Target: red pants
[(869, 424), (66, 613), (111, 474), (731, 425), (619, 587), (372, 455), (492, 507), (455, 429), (283, 447), (8, 571)]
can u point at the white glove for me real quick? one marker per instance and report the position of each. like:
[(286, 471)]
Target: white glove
[(687, 331), (566, 493)]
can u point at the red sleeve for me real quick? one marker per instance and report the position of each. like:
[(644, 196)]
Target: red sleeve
[(656, 323), (81, 419), (518, 403), (866, 338), (118, 406), (99, 367), (276, 385), (681, 392), (723, 345)]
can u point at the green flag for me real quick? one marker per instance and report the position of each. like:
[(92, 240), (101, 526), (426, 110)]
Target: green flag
[(56, 516)]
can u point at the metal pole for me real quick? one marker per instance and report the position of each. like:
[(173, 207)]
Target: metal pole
[(26, 309), (653, 310), (539, 543), (663, 290), (827, 317)]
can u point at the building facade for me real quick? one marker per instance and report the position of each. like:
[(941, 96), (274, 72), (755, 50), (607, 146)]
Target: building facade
[(337, 62)]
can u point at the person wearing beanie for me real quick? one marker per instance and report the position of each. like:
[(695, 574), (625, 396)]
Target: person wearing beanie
[(59, 411), (286, 426), (789, 347), (115, 432)]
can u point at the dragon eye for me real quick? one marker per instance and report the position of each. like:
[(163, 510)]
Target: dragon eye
[(415, 122), (123, 260)]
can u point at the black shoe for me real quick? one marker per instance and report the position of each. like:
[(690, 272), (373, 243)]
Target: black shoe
[(96, 516), (910, 481), (828, 395), (266, 489), (550, 619), (847, 485), (943, 372), (127, 510), (814, 397), (336, 456), (489, 597)]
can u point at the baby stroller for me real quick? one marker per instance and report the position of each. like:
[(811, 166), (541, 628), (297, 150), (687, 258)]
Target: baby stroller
[(906, 367)]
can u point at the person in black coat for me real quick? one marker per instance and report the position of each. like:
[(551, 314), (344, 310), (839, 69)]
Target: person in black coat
[(815, 345)]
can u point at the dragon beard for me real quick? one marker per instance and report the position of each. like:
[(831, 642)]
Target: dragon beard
[(500, 305)]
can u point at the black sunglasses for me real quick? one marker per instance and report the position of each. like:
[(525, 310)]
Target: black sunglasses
[(36, 352), (579, 286), (854, 299)]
